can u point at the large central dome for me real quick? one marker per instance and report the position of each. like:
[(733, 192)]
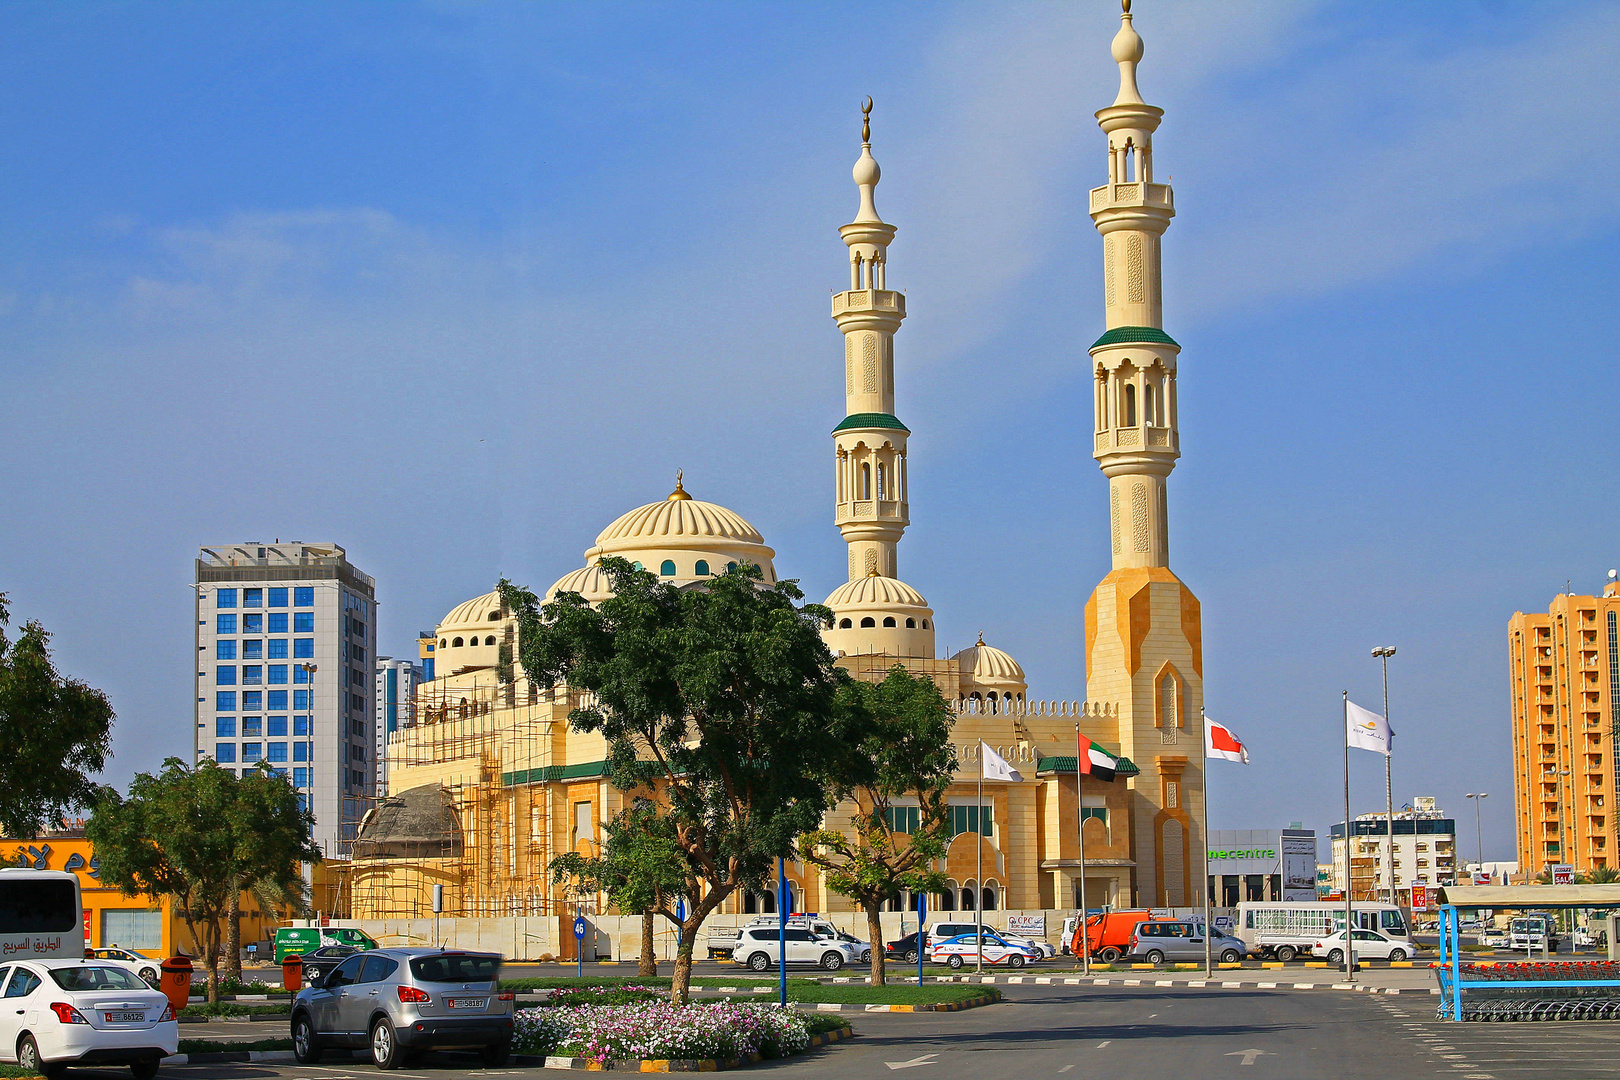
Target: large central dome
[(683, 538)]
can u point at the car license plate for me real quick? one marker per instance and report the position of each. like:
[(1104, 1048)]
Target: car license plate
[(125, 1017), (467, 1003)]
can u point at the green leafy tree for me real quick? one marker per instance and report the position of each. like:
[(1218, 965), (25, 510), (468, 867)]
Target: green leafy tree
[(639, 869), (901, 749), (199, 835), (720, 704), (54, 735)]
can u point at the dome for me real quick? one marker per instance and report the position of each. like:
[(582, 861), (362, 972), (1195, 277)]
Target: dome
[(987, 667), (589, 581), (419, 823), (478, 611), (683, 538), (875, 591)]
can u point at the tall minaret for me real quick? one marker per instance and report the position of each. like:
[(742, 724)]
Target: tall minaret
[(870, 443), (1144, 641)]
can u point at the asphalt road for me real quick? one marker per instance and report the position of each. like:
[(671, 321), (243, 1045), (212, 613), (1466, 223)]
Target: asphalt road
[(1076, 1033)]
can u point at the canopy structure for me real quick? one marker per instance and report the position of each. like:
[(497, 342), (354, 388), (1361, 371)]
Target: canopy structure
[(1539, 897)]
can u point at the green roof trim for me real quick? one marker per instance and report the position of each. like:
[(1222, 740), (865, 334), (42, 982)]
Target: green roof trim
[(870, 420), (1046, 766), (1120, 335), (585, 770)]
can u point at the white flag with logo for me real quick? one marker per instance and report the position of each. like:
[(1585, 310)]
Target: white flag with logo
[(996, 766), (1364, 730)]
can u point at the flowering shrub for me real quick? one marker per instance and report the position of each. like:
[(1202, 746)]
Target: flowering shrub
[(604, 995), (661, 1030)]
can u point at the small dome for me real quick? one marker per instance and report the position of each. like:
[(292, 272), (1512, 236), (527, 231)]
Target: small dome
[(875, 591), (987, 667), (589, 581), (418, 823), (479, 611)]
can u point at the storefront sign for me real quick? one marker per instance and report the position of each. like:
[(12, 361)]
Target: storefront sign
[(1027, 925)]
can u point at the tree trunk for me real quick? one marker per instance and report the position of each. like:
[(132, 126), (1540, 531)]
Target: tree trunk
[(680, 982), (874, 931), (649, 956), (233, 938)]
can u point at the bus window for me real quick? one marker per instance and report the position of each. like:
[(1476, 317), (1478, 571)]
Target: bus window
[(1248, 920), (38, 905), (1391, 922)]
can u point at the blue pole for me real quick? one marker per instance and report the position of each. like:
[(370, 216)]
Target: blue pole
[(579, 942), (781, 926), (922, 915)]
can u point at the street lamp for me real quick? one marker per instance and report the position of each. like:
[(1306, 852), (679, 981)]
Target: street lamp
[(1383, 653), (1479, 836)]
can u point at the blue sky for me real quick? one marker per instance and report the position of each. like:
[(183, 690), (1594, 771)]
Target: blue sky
[(454, 285)]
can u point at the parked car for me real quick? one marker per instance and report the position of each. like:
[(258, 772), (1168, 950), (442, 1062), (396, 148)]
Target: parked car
[(1495, 937), (758, 948), (1370, 945), (1173, 939), (722, 942), (324, 960), (399, 1002), (957, 951), (942, 931), (144, 966), (84, 1012), (904, 949)]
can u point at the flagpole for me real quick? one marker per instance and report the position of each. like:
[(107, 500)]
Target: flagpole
[(978, 847), (1080, 798), (1209, 967), (1349, 938)]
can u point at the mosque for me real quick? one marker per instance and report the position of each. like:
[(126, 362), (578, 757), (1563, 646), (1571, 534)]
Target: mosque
[(487, 783)]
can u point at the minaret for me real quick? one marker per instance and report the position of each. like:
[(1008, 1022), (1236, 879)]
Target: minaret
[(870, 443), (1144, 642)]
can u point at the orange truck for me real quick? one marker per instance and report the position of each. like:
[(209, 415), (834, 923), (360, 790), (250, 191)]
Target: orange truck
[(1108, 934)]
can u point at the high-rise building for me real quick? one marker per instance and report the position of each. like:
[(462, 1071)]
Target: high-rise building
[(1144, 642), (1564, 680), (425, 642), (286, 640), (1425, 852), (396, 685)]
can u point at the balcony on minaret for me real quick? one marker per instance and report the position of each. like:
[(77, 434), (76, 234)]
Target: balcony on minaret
[(1136, 438), (1156, 196), (877, 301)]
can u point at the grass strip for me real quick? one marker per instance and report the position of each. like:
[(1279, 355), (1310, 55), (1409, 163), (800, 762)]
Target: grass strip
[(233, 1008), (214, 1046), (820, 1025), (571, 982), (16, 1071)]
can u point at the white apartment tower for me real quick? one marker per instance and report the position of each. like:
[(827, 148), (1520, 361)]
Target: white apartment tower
[(286, 646), (397, 680)]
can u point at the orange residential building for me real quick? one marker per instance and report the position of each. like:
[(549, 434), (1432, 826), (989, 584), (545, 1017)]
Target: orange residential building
[(1564, 677)]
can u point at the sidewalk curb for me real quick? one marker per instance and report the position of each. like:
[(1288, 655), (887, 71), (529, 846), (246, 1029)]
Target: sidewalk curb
[(672, 1065), (260, 1057)]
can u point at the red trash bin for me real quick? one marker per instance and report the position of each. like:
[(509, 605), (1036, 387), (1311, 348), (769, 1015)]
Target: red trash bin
[(175, 982), (292, 973)]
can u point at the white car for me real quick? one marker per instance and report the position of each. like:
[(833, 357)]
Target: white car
[(757, 948), (143, 966), (957, 951), (942, 931), (1370, 945), (55, 1013)]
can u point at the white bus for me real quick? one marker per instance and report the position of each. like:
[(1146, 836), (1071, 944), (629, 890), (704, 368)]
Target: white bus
[(40, 914), (1287, 930)]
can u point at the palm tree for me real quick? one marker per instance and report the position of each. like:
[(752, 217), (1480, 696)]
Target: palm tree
[(1599, 875)]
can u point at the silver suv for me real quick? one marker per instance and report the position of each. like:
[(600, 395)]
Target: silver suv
[(399, 1002)]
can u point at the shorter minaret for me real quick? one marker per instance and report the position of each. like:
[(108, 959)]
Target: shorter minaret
[(870, 443)]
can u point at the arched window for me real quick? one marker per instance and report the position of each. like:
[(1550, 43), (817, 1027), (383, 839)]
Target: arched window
[(494, 616), (844, 624), (888, 620), (925, 624), (1129, 419), (667, 568), (635, 565), (490, 640), (968, 896), (947, 899), (883, 481), (443, 644), (868, 621), (730, 566), (701, 569), (1147, 405), (911, 624), (455, 643), (866, 481), (989, 898)]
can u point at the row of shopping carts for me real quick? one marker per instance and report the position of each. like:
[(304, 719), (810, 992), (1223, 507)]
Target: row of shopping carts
[(1534, 990)]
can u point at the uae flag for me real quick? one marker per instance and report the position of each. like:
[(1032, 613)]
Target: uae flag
[(1094, 761)]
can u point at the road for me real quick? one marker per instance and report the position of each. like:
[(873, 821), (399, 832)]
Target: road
[(1076, 1033)]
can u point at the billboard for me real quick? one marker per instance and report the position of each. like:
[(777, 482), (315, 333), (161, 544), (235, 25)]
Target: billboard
[(1562, 874), (1481, 877), (1298, 869), (1420, 898)]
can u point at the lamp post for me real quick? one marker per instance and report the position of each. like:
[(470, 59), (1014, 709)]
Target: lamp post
[(1383, 653), (1479, 835)]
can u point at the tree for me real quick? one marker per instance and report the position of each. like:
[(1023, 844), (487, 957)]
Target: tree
[(54, 735), (720, 704), (902, 750), (639, 869), (1598, 875), (198, 836)]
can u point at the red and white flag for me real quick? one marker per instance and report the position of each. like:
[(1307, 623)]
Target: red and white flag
[(1219, 742)]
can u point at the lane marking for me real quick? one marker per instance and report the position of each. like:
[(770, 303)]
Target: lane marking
[(924, 1059), (1100, 1045), (1065, 1068)]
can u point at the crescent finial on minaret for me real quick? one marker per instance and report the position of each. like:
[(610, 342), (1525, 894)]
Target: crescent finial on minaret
[(866, 123), (1126, 6)]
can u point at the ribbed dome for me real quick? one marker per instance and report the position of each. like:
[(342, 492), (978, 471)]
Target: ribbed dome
[(691, 518), (479, 611), (986, 665), (875, 591), (589, 581)]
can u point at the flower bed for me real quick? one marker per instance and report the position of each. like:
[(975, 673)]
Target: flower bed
[(605, 995), (661, 1031)]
